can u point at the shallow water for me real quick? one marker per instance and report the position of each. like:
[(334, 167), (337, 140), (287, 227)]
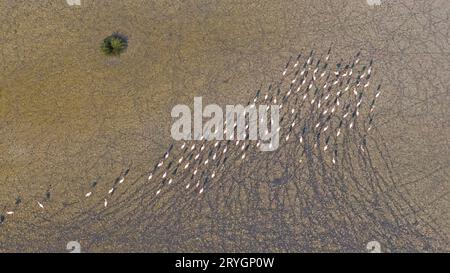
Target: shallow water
[(70, 115)]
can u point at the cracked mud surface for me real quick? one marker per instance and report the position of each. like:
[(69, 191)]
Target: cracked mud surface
[(70, 116)]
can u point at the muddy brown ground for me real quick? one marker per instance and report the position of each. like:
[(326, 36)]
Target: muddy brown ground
[(70, 115)]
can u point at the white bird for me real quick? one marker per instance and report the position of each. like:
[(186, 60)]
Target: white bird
[(88, 194), (40, 205), (359, 103)]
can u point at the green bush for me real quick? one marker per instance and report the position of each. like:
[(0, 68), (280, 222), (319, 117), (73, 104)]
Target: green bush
[(114, 44)]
